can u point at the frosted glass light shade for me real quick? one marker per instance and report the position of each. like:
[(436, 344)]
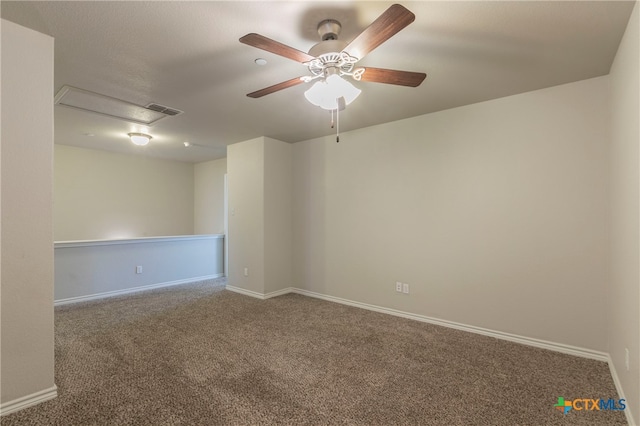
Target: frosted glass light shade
[(139, 138), (325, 93), (342, 88), (318, 96)]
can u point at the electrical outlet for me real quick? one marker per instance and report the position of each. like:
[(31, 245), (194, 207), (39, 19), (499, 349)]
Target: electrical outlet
[(626, 358), (405, 288), (246, 272), (398, 286), (138, 269)]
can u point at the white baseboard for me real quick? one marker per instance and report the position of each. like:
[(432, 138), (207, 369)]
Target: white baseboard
[(530, 341), (538, 343), (245, 292), (96, 296), (28, 401), (279, 292), (257, 295), (616, 381)]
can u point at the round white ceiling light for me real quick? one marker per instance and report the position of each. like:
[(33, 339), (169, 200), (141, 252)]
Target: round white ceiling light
[(140, 139)]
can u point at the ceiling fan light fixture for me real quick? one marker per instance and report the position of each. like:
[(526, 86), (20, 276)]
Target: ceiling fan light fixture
[(316, 94), (140, 139), (340, 87), (325, 93)]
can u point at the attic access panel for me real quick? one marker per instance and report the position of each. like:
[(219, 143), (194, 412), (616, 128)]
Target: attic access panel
[(97, 103)]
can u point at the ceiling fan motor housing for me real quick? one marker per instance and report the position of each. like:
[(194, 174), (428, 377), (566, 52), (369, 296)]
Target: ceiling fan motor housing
[(329, 53), (327, 46)]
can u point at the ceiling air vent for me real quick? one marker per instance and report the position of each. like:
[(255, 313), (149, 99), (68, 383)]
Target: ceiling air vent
[(86, 100), (164, 109)]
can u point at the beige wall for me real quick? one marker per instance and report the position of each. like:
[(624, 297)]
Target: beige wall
[(245, 182), (209, 197), (494, 213), (278, 188), (260, 210), (105, 195), (26, 259), (624, 288)]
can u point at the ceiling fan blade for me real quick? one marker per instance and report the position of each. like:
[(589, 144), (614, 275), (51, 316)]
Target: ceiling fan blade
[(382, 29), (271, 89), (401, 78), (264, 43)]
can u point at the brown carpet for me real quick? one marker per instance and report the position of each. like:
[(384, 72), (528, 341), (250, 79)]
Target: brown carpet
[(200, 355)]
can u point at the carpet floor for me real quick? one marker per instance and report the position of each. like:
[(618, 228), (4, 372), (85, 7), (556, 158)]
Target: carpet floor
[(198, 354)]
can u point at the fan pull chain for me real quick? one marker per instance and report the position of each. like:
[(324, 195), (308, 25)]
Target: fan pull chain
[(337, 125)]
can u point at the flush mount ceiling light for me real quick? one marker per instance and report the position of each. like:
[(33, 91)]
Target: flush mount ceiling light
[(140, 139)]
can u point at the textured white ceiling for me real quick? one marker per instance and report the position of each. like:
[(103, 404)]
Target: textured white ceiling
[(186, 55)]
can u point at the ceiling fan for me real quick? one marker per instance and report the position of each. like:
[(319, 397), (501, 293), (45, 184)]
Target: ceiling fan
[(331, 59)]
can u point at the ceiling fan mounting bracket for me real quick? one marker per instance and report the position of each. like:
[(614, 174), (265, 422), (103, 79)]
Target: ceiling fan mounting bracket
[(329, 29)]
